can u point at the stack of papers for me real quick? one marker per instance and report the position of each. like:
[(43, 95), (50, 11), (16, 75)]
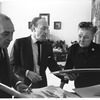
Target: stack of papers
[(51, 92)]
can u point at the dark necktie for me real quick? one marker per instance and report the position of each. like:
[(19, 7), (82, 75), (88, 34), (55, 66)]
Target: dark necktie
[(38, 44), (1, 54)]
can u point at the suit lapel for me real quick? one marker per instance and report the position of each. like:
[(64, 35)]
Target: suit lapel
[(27, 52)]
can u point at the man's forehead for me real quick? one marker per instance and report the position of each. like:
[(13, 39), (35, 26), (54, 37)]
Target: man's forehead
[(84, 31), (42, 22)]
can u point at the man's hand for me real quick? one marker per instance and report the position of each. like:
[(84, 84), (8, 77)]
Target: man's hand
[(21, 87), (71, 76), (34, 77)]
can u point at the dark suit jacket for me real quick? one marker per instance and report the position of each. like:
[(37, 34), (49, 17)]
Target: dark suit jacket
[(84, 58), (7, 77), (22, 59)]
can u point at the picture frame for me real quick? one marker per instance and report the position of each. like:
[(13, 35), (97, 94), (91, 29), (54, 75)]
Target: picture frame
[(29, 25), (46, 16), (57, 25)]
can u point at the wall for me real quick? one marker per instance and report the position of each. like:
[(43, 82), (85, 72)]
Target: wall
[(69, 12)]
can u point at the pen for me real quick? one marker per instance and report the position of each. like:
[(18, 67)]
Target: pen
[(29, 87)]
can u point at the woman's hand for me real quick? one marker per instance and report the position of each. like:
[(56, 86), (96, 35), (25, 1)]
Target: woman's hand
[(71, 76)]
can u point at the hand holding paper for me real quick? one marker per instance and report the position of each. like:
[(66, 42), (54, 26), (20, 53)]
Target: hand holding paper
[(71, 76)]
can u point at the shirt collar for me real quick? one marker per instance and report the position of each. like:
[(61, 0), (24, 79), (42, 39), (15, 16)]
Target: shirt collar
[(33, 39)]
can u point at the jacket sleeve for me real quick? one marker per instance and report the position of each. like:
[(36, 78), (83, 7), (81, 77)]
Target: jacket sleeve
[(12, 77), (15, 60), (52, 64)]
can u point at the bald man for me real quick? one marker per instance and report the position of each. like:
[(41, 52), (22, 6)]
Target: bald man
[(7, 77)]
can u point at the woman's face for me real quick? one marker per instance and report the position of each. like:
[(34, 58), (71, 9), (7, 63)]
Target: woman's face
[(85, 37)]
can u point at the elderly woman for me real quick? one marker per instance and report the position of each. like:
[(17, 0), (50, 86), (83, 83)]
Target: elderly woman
[(84, 54)]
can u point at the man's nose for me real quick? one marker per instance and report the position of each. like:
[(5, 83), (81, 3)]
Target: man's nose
[(44, 34), (10, 37), (82, 39)]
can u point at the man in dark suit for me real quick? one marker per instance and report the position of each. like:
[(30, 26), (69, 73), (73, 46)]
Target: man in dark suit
[(30, 62), (7, 77), (84, 54)]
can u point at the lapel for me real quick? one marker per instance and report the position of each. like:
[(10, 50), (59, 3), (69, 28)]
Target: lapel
[(27, 49)]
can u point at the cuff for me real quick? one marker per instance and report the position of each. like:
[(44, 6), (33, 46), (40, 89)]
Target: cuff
[(26, 74), (19, 82)]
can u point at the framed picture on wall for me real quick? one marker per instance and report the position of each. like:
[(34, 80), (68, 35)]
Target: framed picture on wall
[(46, 16), (29, 25), (57, 25)]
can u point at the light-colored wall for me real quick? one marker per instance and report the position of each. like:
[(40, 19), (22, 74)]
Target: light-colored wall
[(69, 12)]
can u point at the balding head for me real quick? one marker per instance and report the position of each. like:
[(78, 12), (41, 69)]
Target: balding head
[(2, 16)]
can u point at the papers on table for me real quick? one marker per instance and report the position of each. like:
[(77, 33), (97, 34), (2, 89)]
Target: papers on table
[(55, 92), (64, 72), (45, 92), (52, 92)]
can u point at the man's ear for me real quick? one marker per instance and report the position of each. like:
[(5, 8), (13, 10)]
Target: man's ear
[(32, 28)]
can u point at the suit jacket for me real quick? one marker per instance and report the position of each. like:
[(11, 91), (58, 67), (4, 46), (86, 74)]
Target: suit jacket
[(21, 58), (7, 77), (84, 58)]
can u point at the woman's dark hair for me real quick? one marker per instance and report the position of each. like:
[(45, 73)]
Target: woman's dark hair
[(88, 26)]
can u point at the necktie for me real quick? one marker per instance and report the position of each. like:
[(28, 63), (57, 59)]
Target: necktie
[(1, 54), (38, 45)]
